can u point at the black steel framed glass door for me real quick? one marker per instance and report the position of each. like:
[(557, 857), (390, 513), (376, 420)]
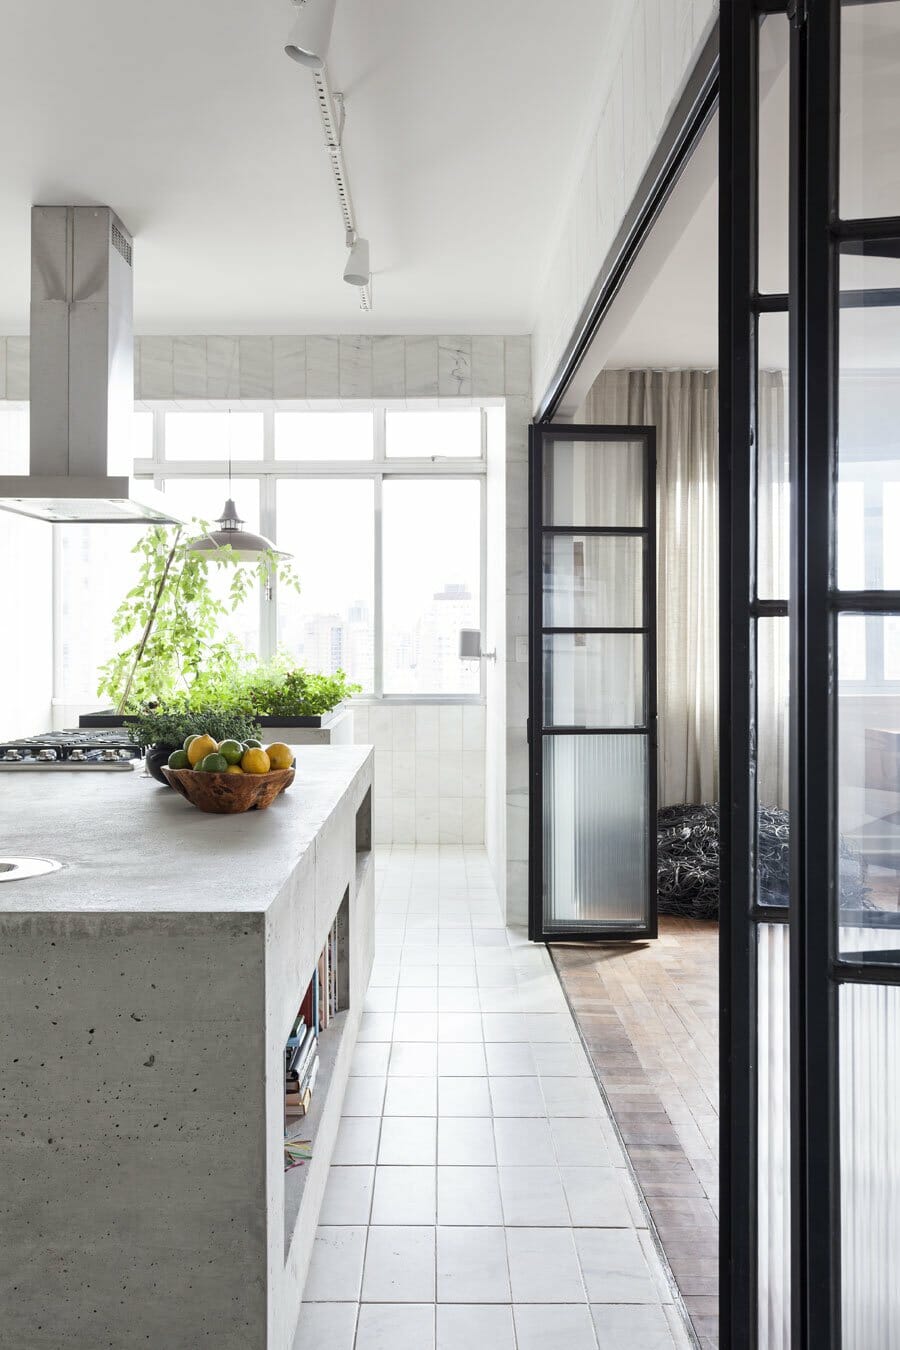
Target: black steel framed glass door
[(811, 992), (592, 724)]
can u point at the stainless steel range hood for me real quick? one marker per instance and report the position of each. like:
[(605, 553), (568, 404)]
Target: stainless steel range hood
[(82, 375)]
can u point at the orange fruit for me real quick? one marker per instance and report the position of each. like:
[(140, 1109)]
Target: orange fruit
[(281, 756), (200, 748), (255, 761)]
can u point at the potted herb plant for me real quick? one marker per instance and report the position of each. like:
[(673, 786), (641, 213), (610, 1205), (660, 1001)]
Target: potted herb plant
[(164, 729)]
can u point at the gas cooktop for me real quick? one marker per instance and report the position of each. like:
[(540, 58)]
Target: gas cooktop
[(75, 750)]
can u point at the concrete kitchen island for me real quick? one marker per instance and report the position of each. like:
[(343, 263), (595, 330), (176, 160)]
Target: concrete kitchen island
[(146, 993)]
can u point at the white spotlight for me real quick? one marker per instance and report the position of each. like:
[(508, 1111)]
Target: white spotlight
[(357, 272), (311, 33)]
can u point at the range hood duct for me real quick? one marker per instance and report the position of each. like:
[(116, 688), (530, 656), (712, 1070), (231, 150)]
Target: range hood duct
[(82, 375)]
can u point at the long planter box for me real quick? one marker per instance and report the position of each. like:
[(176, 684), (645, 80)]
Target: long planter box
[(331, 728)]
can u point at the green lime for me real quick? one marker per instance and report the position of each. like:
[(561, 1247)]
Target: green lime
[(179, 760), (253, 745), (232, 751), (214, 763), (189, 739)]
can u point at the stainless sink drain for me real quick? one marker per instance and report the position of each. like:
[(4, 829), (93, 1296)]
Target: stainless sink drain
[(17, 869)]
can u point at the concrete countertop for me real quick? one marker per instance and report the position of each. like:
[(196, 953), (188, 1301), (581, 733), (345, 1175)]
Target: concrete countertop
[(128, 845)]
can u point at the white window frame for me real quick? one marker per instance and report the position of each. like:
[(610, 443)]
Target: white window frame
[(269, 470)]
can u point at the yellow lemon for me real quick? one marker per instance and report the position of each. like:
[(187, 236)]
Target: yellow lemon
[(200, 748), (234, 768), (255, 761), (281, 756)]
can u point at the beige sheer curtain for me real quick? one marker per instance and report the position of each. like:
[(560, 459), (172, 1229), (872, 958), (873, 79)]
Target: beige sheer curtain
[(682, 405)]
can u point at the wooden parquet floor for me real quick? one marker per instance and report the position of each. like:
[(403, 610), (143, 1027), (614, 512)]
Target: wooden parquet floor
[(649, 1016)]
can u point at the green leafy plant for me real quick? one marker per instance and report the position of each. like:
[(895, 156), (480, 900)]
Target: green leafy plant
[(169, 626), (276, 689), (171, 725)]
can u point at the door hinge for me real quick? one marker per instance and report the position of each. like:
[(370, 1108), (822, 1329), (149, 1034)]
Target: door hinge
[(797, 13)]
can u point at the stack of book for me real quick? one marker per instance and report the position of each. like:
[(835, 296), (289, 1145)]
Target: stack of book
[(301, 1065)]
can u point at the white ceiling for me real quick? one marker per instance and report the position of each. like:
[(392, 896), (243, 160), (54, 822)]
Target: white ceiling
[(463, 137), (666, 314)]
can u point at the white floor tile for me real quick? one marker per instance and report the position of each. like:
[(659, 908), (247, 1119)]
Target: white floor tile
[(395, 1326), (515, 1196), (458, 1096), (523, 1143), (357, 1141), (541, 1325), (413, 1059), (516, 1058), (543, 1266), (572, 1097), (405, 1195), (462, 1326), (465, 1142), (364, 1097), (412, 1096), (407, 1141), (466, 1060), (326, 1324), (471, 1265), (370, 1059), (335, 1268), (399, 1265), (614, 1267), (533, 1197), (625, 1326), (348, 1195), (595, 1197), (517, 1096), (468, 1195)]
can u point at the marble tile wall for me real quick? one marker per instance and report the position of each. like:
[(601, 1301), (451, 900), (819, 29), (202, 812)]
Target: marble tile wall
[(205, 366), (659, 44), (429, 771)]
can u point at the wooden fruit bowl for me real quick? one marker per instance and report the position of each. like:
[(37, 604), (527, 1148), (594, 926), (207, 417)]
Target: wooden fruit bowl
[(226, 794)]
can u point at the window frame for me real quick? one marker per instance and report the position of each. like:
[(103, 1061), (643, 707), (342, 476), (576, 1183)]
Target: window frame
[(268, 470)]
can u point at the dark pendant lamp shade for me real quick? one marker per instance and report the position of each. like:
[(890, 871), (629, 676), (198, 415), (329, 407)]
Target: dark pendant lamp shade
[(243, 544)]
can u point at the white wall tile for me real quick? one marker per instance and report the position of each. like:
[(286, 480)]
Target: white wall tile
[(381, 728), (472, 773), (189, 367), (257, 359), (18, 351), (454, 367), (289, 367), (473, 727), (427, 774), (473, 820), (404, 773), (157, 374), (427, 729), (450, 822), (517, 359), (388, 367), (384, 773), (322, 367), (421, 367), (487, 367), (222, 368), (450, 773), (450, 729), (355, 367), (404, 728), (427, 820), (404, 820)]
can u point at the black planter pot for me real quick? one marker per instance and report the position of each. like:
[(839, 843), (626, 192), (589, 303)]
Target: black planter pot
[(155, 757)]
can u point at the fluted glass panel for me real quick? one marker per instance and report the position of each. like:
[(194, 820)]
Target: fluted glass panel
[(593, 680), (595, 831), (772, 728), (593, 581), (870, 1165), (594, 483), (773, 1137)]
